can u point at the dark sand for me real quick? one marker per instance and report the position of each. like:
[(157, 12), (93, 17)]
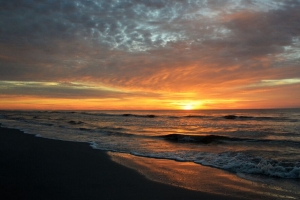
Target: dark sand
[(38, 168)]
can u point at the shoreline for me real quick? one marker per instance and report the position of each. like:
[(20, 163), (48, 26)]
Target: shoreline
[(197, 177), (38, 168)]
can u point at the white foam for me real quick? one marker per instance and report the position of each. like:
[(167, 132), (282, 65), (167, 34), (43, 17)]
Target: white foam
[(242, 163), (93, 145)]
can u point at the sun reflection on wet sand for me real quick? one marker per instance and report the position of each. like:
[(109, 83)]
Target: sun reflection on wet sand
[(200, 178)]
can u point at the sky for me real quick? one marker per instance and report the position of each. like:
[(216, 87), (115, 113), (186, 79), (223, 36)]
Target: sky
[(149, 54)]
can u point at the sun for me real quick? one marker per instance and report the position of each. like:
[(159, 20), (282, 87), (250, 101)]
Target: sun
[(187, 104), (188, 107)]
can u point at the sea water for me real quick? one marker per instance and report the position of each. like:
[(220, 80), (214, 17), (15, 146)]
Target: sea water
[(248, 143)]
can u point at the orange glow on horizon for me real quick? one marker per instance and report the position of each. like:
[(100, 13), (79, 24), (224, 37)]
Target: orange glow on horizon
[(38, 103), (156, 101)]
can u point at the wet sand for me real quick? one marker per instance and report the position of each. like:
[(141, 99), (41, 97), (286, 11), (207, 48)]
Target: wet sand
[(206, 179)]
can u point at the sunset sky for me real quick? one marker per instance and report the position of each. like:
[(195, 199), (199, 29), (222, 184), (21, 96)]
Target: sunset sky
[(149, 54)]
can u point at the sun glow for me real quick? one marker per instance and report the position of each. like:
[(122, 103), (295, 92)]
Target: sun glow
[(188, 107)]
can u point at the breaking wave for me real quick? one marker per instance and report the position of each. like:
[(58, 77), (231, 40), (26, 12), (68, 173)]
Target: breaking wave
[(239, 162)]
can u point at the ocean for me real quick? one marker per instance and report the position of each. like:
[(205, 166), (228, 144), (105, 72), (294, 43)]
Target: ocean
[(253, 144)]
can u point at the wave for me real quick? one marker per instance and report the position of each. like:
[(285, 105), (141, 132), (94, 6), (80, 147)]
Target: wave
[(205, 139), (134, 115), (208, 139), (85, 129), (149, 116), (196, 116), (239, 162), (115, 133), (119, 115), (111, 128), (26, 120), (75, 122), (98, 114), (235, 162), (103, 129), (231, 117), (259, 118)]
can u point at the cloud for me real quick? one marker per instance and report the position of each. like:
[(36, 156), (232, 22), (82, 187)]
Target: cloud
[(153, 46), (57, 90), (266, 83)]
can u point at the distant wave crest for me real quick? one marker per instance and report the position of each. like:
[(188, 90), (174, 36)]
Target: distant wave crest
[(205, 139), (208, 139)]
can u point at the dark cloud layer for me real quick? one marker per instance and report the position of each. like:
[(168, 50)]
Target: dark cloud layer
[(151, 45)]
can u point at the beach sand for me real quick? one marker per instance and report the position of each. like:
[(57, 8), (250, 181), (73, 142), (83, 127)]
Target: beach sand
[(37, 168), (196, 177)]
